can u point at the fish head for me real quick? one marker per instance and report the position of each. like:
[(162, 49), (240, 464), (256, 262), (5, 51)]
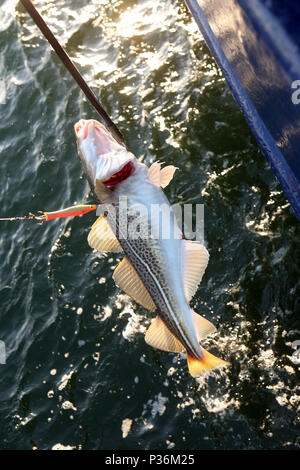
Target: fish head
[(106, 163)]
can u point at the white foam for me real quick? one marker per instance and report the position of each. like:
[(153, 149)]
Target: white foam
[(126, 426)]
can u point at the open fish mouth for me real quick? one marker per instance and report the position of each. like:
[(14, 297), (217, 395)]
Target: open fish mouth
[(100, 137), (104, 159), (81, 129)]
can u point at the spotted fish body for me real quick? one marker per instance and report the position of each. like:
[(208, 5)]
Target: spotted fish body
[(160, 262), (160, 272)]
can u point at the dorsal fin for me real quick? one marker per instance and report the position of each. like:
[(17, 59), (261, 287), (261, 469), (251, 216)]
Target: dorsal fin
[(161, 177), (126, 277), (102, 237), (159, 336)]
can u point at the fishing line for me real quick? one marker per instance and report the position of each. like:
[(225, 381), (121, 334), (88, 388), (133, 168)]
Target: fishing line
[(30, 216), (72, 69), (46, 216)]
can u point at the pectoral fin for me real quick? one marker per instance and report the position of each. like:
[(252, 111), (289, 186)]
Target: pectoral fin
[(159, 336), (126, 277), (161, 177), (195, 262), (102, 237)]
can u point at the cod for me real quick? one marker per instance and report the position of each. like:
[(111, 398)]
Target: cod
[(162, 273)]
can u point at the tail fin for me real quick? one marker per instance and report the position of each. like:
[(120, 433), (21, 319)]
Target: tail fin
[(208, 362)]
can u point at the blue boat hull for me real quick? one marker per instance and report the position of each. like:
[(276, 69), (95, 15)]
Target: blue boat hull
[(261, 63)]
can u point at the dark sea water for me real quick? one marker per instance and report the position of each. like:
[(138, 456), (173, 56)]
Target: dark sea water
[(78, 372)]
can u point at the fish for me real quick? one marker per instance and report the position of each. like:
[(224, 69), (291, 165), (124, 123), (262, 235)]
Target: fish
[(161, 273)]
